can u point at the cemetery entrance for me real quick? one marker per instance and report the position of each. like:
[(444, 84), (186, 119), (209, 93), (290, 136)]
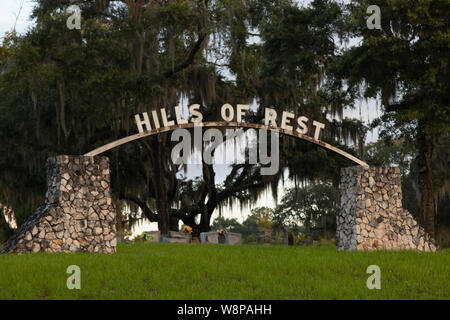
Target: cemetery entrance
[(78, 214)]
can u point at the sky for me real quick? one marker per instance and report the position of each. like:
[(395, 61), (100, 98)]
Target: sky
[(16, 13), (11, 15)]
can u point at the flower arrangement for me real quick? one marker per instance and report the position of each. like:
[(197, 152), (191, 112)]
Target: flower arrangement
[(222, 231), (146, 237), (186, 229), (222, 235)]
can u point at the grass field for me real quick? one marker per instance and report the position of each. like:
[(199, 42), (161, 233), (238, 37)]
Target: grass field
[(181, 271)]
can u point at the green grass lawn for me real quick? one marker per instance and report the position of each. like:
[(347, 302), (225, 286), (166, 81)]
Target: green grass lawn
[(182, 271)]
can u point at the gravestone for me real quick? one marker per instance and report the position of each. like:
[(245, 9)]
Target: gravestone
[(214, 238), (234, 238), (178, 237), (209, 237)]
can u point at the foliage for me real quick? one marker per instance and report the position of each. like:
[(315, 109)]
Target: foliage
[(264, 217), (67, 91), (186, 229), (405, 64), (402, 153), (391, 152), (249, 227), (309, 208)]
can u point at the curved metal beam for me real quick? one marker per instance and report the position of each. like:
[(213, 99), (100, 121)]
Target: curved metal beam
[(136, 136)]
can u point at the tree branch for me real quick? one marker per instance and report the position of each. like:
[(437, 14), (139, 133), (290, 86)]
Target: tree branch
[(148, 213), (190, 58)]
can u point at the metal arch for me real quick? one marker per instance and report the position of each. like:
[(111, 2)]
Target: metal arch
[(136, 136)]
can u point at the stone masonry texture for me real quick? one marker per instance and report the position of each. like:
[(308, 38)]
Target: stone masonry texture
[(371, 215), (78, 214)]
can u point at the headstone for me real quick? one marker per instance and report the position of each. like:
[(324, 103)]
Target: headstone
[(222, 238), (180, 240), (176, 234), (234, 238), (209, 237), (214, 237), (179, 237)]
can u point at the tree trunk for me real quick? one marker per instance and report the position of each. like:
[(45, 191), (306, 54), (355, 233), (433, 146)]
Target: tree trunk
[(161, 192), (206, 218), (424, 161)]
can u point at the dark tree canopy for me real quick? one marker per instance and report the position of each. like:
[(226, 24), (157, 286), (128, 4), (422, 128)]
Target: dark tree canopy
[(68, 91)]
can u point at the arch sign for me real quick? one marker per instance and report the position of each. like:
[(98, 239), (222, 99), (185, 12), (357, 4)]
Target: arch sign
[(231, 118)]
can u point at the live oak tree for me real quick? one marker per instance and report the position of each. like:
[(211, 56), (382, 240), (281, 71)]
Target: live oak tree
[(406, 65), (68, 91), (286, 66), (298, 46)]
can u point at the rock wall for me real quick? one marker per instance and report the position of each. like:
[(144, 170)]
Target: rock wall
[(78, 214), (371, 215)]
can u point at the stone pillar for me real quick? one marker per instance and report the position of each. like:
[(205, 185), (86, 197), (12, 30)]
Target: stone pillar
[(78, 214), (371, 215)]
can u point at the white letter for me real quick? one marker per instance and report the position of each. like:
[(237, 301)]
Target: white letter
[(270, 117), (374, 21), (194, 112), (239, 113), (74, 21), (373, 282), (318, 126), (145, 122), (178, 116), (285, 122), (166, 123), (223, 112), (74, 281), (155, 119), (302, 123)]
